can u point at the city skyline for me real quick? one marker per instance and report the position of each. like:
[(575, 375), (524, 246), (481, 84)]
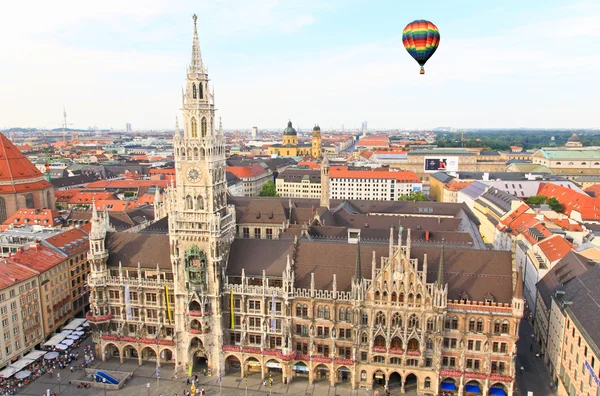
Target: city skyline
[(329, 63)]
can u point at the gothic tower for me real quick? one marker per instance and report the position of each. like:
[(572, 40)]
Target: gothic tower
[(201, 225), (316, 142)]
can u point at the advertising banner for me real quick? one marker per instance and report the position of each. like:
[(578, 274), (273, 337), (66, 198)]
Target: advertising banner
[(441, 164)]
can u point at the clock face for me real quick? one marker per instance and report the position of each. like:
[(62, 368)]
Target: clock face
[(194, 174)]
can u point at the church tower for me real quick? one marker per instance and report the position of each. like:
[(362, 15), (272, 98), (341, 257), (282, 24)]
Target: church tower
[(316, 142), (201, 225), (325, 183)]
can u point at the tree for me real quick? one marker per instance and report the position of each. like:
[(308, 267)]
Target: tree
[(269, 190), (538, 200), (413, 196)]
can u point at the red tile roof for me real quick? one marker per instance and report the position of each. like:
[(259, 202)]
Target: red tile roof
[(309, 164), (457, 185), (593, 191), (244, 172), (76, 196), (44, 217), (129, 183), (11, 273), (588, 207), (13, 164), (555, 247), (162, 171), (38, 257), (72, 242), (338, 172), (112, 205)]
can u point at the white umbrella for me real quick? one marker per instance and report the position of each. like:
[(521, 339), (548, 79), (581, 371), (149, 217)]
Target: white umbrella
[(79, 333), (66, 332), (68, 342), (73, 337), (23, 374), (51, 355), (79, 328), (62, 347), (86, 324)]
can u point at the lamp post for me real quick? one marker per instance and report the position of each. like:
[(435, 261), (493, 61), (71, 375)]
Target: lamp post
[(148, 387), (104, 382), (58, 379), (246, 377)]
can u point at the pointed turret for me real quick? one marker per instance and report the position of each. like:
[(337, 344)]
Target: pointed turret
[(440, 278), (518, 292), (177, 131), (357, 268), (196, 65)]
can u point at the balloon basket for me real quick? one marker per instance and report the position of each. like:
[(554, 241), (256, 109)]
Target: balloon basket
[(422, 71)]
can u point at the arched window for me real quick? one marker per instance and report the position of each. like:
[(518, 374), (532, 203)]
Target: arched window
[(203, 126), (305, 310), (596, 163), (320, 312), (430, 324), (401, 297), (413, 345), (447, 323), (342, 314), (394, 297), (365, 319), (505, 327), (497, 326), (194, 92), (348, 315), (429, 344), (3, 214), (201, 90), (327, 312), (299, 310), (455, 323), (570, 163), (480, 325), (427, 383), (380, 319), (199, 203), (583, 163), (396, 343), (194, 127), (413, 321), (385, 296), (188, 202), (559, 163), (377, 296), (418, 299), (396, 320), (29, 201), (363, 338), (472, 324)]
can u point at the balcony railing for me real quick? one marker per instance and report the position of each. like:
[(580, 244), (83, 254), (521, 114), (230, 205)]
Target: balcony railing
[(98, 319)]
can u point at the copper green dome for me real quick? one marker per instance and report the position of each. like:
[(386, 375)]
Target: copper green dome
[(290, 130), (317, 128)]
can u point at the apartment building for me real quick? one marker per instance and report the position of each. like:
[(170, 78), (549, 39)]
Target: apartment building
[(299, 183), (381, 184), (253, 177)]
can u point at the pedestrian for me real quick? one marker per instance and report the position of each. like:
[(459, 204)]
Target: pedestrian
[(71, 368), (522, 369), (187, 381)]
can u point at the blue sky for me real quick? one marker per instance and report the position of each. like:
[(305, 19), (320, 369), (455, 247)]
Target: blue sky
[(499, 64)]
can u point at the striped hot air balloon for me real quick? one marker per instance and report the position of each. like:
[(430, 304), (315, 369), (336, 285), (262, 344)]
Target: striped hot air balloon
[(421, 38)]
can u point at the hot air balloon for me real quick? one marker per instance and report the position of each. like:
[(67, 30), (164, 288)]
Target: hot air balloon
[(421, 38)]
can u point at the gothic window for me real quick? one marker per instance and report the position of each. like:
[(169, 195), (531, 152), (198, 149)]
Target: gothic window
[(413, 344), (3, 214), (472, 324), (427, 383), (413, 321), (505, 327), (380, 318), (188, 202), (342, 314), (396, 343), (194, 92), (401, 297), (201, 91), (203, 126), (394, 297), (418, 300), (194, 128), (320, 312), (377, 296), (365, 319), (385, 296), (29, 201), (348, 315), (455, 323), (195, 152), (430, 324), (199, 203), (299, 310), (379, 341), (497, 326), (363, 338), (396, 320), (480, 325), (327, 312), (447, 323), (429, 344)]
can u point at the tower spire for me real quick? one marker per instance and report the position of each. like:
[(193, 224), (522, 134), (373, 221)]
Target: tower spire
[(440, 278), (357, 269), (196, 66)]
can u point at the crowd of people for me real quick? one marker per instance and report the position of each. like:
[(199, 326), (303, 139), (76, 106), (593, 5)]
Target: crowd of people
[(45, 366)]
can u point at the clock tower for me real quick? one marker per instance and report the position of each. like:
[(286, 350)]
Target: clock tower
[(201, 225)]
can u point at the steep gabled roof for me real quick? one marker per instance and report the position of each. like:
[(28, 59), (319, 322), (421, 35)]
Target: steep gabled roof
[(13, 164)]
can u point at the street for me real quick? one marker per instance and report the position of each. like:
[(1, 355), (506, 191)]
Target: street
[(535, 377)]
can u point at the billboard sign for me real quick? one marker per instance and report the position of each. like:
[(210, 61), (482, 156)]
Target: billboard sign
[(441, 164)]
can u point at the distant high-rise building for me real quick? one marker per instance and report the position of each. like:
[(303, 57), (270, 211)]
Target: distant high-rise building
[(342, 127), (128, 127), (254, 132)]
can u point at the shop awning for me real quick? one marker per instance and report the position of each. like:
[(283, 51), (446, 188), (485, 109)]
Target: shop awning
[(21, 364), (7, 372), (497, 392), (75, 323), (472, 389), (301, 368), (55, 340), (34, 355), (273, 365), (253, 363), (448, 386)]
